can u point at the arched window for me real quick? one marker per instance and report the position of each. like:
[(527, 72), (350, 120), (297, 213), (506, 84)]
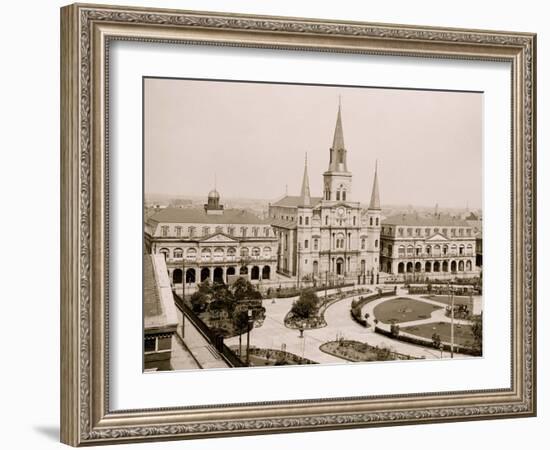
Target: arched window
[(256, 251), (461, 250), (206, 253), (370, 221), (218, 253), (244, 252), (267, 252), (376, 243), (363, 244), (401, 250), (306, 244), (410, 250), (428, 250), (337, 195), (191, 254), (344, 195), (165, 252), (315, 244), (178, 253), (470, 249), (231, 252)]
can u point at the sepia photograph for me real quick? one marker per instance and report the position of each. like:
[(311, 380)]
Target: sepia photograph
[(294, 224)]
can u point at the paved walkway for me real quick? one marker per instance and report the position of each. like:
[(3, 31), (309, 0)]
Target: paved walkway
[(273, 333), (202, 351)]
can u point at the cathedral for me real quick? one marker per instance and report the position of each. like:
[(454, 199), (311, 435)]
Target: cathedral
[(329, 239)]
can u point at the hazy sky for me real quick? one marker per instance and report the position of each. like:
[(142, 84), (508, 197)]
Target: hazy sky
[(253, 138)]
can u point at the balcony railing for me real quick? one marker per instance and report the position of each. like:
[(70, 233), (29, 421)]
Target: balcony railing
[(223, 259), (427, 255)]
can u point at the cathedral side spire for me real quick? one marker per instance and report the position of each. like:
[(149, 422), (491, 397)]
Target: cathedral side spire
[(305, 194), (375, 195)]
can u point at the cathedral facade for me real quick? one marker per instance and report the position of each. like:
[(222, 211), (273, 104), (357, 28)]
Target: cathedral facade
[(330, 238)]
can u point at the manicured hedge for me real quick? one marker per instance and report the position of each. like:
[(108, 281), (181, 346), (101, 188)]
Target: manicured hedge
[(418, 341)]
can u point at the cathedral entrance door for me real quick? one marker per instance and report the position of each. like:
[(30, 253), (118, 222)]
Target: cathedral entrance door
[(339, 266)]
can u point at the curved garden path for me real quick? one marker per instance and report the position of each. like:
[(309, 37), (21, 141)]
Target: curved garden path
[(273, 333)]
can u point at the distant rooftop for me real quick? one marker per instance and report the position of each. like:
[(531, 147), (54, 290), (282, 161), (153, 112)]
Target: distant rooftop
[(198, 215), (281, 223), (293, 201), (417, 220)]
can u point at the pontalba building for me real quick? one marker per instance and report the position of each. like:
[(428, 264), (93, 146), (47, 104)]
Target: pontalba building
[(436, 246), (330, 237), (212, 243)]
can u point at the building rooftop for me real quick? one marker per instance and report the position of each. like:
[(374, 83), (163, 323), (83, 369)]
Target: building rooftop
[(288, 224), (198, 215), (432, 221), (293, 201), (159, 310)]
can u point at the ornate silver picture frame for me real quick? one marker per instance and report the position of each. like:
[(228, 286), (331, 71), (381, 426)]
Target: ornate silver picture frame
[(87, 33)]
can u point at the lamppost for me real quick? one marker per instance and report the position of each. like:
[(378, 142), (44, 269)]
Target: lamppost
[(249, 313), (451, 289), (183, 295)]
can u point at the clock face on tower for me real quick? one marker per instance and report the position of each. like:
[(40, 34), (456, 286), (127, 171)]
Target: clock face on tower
[(340, 211)]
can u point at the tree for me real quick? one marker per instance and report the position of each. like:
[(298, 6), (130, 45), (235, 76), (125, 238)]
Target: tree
[(306, 306), (477, 331), (240, 324), (245, 290), (199, 301)]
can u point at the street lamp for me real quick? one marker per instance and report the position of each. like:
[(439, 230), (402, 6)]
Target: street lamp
[(249, 313), (452, 319)]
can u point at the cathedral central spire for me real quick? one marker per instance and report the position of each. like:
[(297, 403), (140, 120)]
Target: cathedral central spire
[(305, 194), (338, 153)]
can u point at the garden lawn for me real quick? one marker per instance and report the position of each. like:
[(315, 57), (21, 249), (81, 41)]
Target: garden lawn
[(463, 333), (459, 300), (403, 309)]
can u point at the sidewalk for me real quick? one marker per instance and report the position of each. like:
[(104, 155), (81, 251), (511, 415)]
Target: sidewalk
[(202, 351)]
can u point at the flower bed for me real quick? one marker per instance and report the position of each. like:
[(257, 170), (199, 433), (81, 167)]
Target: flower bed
[(318, 320), (273, 357), (356, 351)]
